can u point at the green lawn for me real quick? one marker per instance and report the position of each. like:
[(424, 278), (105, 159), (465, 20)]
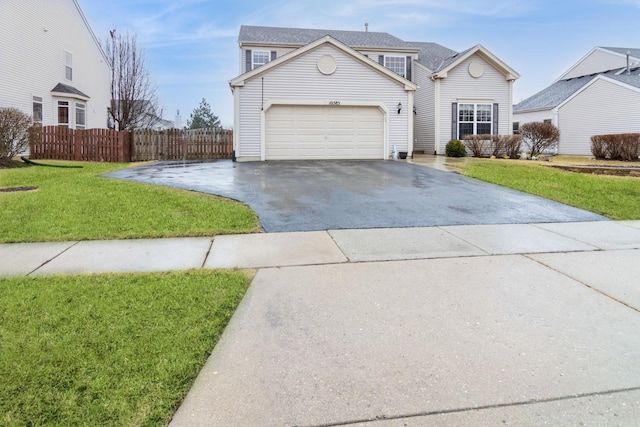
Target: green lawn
[(108, 350), (612, 196), (79, 204)]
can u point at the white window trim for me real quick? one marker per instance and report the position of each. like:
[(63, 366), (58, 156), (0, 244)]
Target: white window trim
[(81, 106), (254, 53), (475, 116), (38, 100), (59, 104), (68, 65), (402, 61)]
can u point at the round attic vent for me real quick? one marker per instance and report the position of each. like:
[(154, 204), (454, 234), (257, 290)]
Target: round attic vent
[(476, 69), (327, 64)]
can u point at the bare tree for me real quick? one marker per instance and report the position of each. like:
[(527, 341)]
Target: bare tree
[(134, 103), (539, 136)]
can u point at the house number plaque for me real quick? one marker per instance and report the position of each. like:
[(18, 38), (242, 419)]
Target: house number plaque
[(334, 102)]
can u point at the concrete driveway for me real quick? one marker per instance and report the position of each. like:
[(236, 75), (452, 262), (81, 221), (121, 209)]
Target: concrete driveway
[(333, 195)]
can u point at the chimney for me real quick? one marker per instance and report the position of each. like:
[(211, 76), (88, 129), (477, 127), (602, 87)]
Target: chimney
[(366, 28)]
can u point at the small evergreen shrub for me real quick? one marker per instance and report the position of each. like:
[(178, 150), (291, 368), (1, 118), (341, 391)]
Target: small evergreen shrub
[(455, 148)]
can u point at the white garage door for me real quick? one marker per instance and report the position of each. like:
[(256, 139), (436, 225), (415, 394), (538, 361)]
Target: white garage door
[(304, 132)]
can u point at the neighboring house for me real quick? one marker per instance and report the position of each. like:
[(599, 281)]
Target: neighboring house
[(51, 64), (598, 95), (328, 94)]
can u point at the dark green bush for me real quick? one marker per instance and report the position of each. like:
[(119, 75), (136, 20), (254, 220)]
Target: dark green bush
[(456, 148)]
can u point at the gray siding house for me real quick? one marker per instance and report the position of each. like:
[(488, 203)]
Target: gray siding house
[(598, 95), (330, 94)]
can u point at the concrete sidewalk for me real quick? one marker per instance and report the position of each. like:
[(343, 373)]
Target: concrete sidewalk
[(526, 324)]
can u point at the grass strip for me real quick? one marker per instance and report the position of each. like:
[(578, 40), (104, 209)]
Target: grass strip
[(79, 204), (612, 196), (109, 350)]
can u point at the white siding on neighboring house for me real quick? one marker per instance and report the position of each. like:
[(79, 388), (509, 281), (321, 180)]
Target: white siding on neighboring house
[(585, 115), (300, 79), (596, 62), (36, 40), (534, 116), (425, 117), (492, 87)]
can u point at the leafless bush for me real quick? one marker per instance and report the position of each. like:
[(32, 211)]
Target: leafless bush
[(539, 136), (14, 132), (479, 145), (494, 145), (512, 145), (624, 146)]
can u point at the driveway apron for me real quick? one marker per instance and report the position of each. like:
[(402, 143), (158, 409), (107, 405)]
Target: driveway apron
[(333, 195)]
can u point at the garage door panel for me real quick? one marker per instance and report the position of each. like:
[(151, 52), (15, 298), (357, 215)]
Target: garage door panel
[(324, 132)]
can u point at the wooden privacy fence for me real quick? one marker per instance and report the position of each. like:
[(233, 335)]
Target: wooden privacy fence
[(106, 145), (94, 145), (175, 144)]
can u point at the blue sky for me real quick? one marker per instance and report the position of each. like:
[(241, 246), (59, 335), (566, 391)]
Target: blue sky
[(192, 52)]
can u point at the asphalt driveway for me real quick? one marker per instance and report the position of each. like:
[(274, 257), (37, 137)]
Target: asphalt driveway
[(333, 195)]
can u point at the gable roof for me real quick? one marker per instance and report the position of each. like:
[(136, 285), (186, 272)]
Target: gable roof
[(633, 52), (240, 80), (303, 36), (455, 60), (562, 90)]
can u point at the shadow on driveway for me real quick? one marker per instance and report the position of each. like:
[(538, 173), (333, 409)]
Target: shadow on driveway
[(342, 194)]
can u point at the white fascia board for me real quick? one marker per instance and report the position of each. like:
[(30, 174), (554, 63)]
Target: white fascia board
[(239, 81), (591, 82), (509, 73)]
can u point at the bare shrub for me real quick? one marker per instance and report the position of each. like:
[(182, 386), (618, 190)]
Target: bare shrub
[(479, 145), (539, 136), (599, 146), (621, 146), (14, 132), (512, 145)]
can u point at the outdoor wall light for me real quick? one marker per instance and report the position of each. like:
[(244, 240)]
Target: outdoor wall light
[(399, 107), (415, 110)]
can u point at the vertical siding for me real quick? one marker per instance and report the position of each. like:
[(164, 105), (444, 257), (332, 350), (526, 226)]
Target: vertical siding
[(491, 87), (586, 115), (424, 120), (596, 62), (34, 37), (301, 80)]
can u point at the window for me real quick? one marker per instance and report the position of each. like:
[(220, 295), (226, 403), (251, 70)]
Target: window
[(68, 65), (474, 119), (516, 128), (37, 110), (63, 113), (546, 121), (395, 64), (81, 117), (260, 57)]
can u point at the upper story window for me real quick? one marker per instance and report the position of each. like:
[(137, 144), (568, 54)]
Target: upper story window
[(259, 57), (37, 110), (474, 119), (395, 64), (68, 65), (81, 116)]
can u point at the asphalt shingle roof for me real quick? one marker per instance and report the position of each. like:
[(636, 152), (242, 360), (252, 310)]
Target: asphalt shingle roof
[(434, 56), (558, 92), (623, 50), (302, 36)]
